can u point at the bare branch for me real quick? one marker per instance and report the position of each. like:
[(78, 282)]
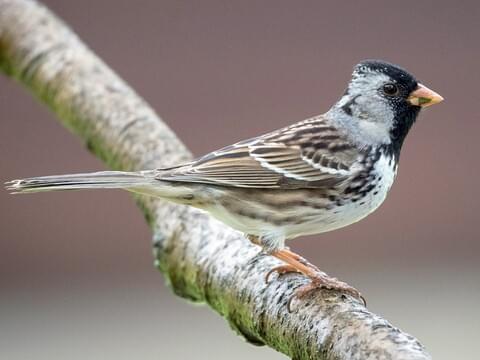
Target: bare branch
[(203, 260)]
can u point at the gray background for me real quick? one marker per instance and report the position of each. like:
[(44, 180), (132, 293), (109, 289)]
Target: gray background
[(77, 280)]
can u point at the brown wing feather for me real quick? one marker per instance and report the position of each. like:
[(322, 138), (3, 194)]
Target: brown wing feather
[(308, 154)]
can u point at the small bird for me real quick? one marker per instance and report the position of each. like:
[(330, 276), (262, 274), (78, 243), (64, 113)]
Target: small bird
[(316, 175)]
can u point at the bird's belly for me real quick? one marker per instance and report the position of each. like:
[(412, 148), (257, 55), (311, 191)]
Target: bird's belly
[(257, 219), (339, 216), (304, 221), (291, 214)]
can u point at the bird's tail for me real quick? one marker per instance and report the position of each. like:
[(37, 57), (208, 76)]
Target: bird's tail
[(97, 180)]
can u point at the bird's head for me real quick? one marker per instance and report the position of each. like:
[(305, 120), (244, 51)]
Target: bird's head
[(381, 104)]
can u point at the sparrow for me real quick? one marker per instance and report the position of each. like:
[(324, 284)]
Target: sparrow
[(314, 176)]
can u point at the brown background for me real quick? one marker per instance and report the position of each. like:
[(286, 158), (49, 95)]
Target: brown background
[(77, 279)]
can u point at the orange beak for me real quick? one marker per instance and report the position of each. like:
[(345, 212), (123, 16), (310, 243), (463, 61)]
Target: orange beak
[(423, 96)]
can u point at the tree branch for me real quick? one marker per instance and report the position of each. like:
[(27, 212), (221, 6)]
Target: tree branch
[(203, 260)]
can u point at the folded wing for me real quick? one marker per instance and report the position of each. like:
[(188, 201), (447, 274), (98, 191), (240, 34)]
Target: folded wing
[(308, 154)]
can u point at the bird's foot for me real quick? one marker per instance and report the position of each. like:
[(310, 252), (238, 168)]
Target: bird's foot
[(318, 279), (323, 281)]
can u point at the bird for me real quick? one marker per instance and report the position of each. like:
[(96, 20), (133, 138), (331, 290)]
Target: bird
[(314, 176)]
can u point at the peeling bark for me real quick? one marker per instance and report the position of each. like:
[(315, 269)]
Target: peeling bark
[(203, 260)]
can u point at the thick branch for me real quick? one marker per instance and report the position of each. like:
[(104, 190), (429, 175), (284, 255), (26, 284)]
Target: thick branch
[(203, 260)]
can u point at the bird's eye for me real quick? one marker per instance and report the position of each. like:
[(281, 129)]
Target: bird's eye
[(390, 89)]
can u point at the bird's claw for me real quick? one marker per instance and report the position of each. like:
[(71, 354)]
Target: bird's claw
[(280, 270), (327, 283)]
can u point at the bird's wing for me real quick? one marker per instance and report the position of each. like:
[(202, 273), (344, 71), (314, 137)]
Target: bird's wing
[(309, 154)]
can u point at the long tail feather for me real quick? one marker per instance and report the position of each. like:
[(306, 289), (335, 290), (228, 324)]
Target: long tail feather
[(96, 180)]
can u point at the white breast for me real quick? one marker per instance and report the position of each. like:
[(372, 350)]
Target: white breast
[(384, 172), (350, 212)]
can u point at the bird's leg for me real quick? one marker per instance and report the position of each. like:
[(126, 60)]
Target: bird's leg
[(286, 252), (318, 279), (289, 267), (254, 239)]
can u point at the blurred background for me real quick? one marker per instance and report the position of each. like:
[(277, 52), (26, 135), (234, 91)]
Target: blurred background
[(76, 272)]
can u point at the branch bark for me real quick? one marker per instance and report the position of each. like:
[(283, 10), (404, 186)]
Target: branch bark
[(202, 259)]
